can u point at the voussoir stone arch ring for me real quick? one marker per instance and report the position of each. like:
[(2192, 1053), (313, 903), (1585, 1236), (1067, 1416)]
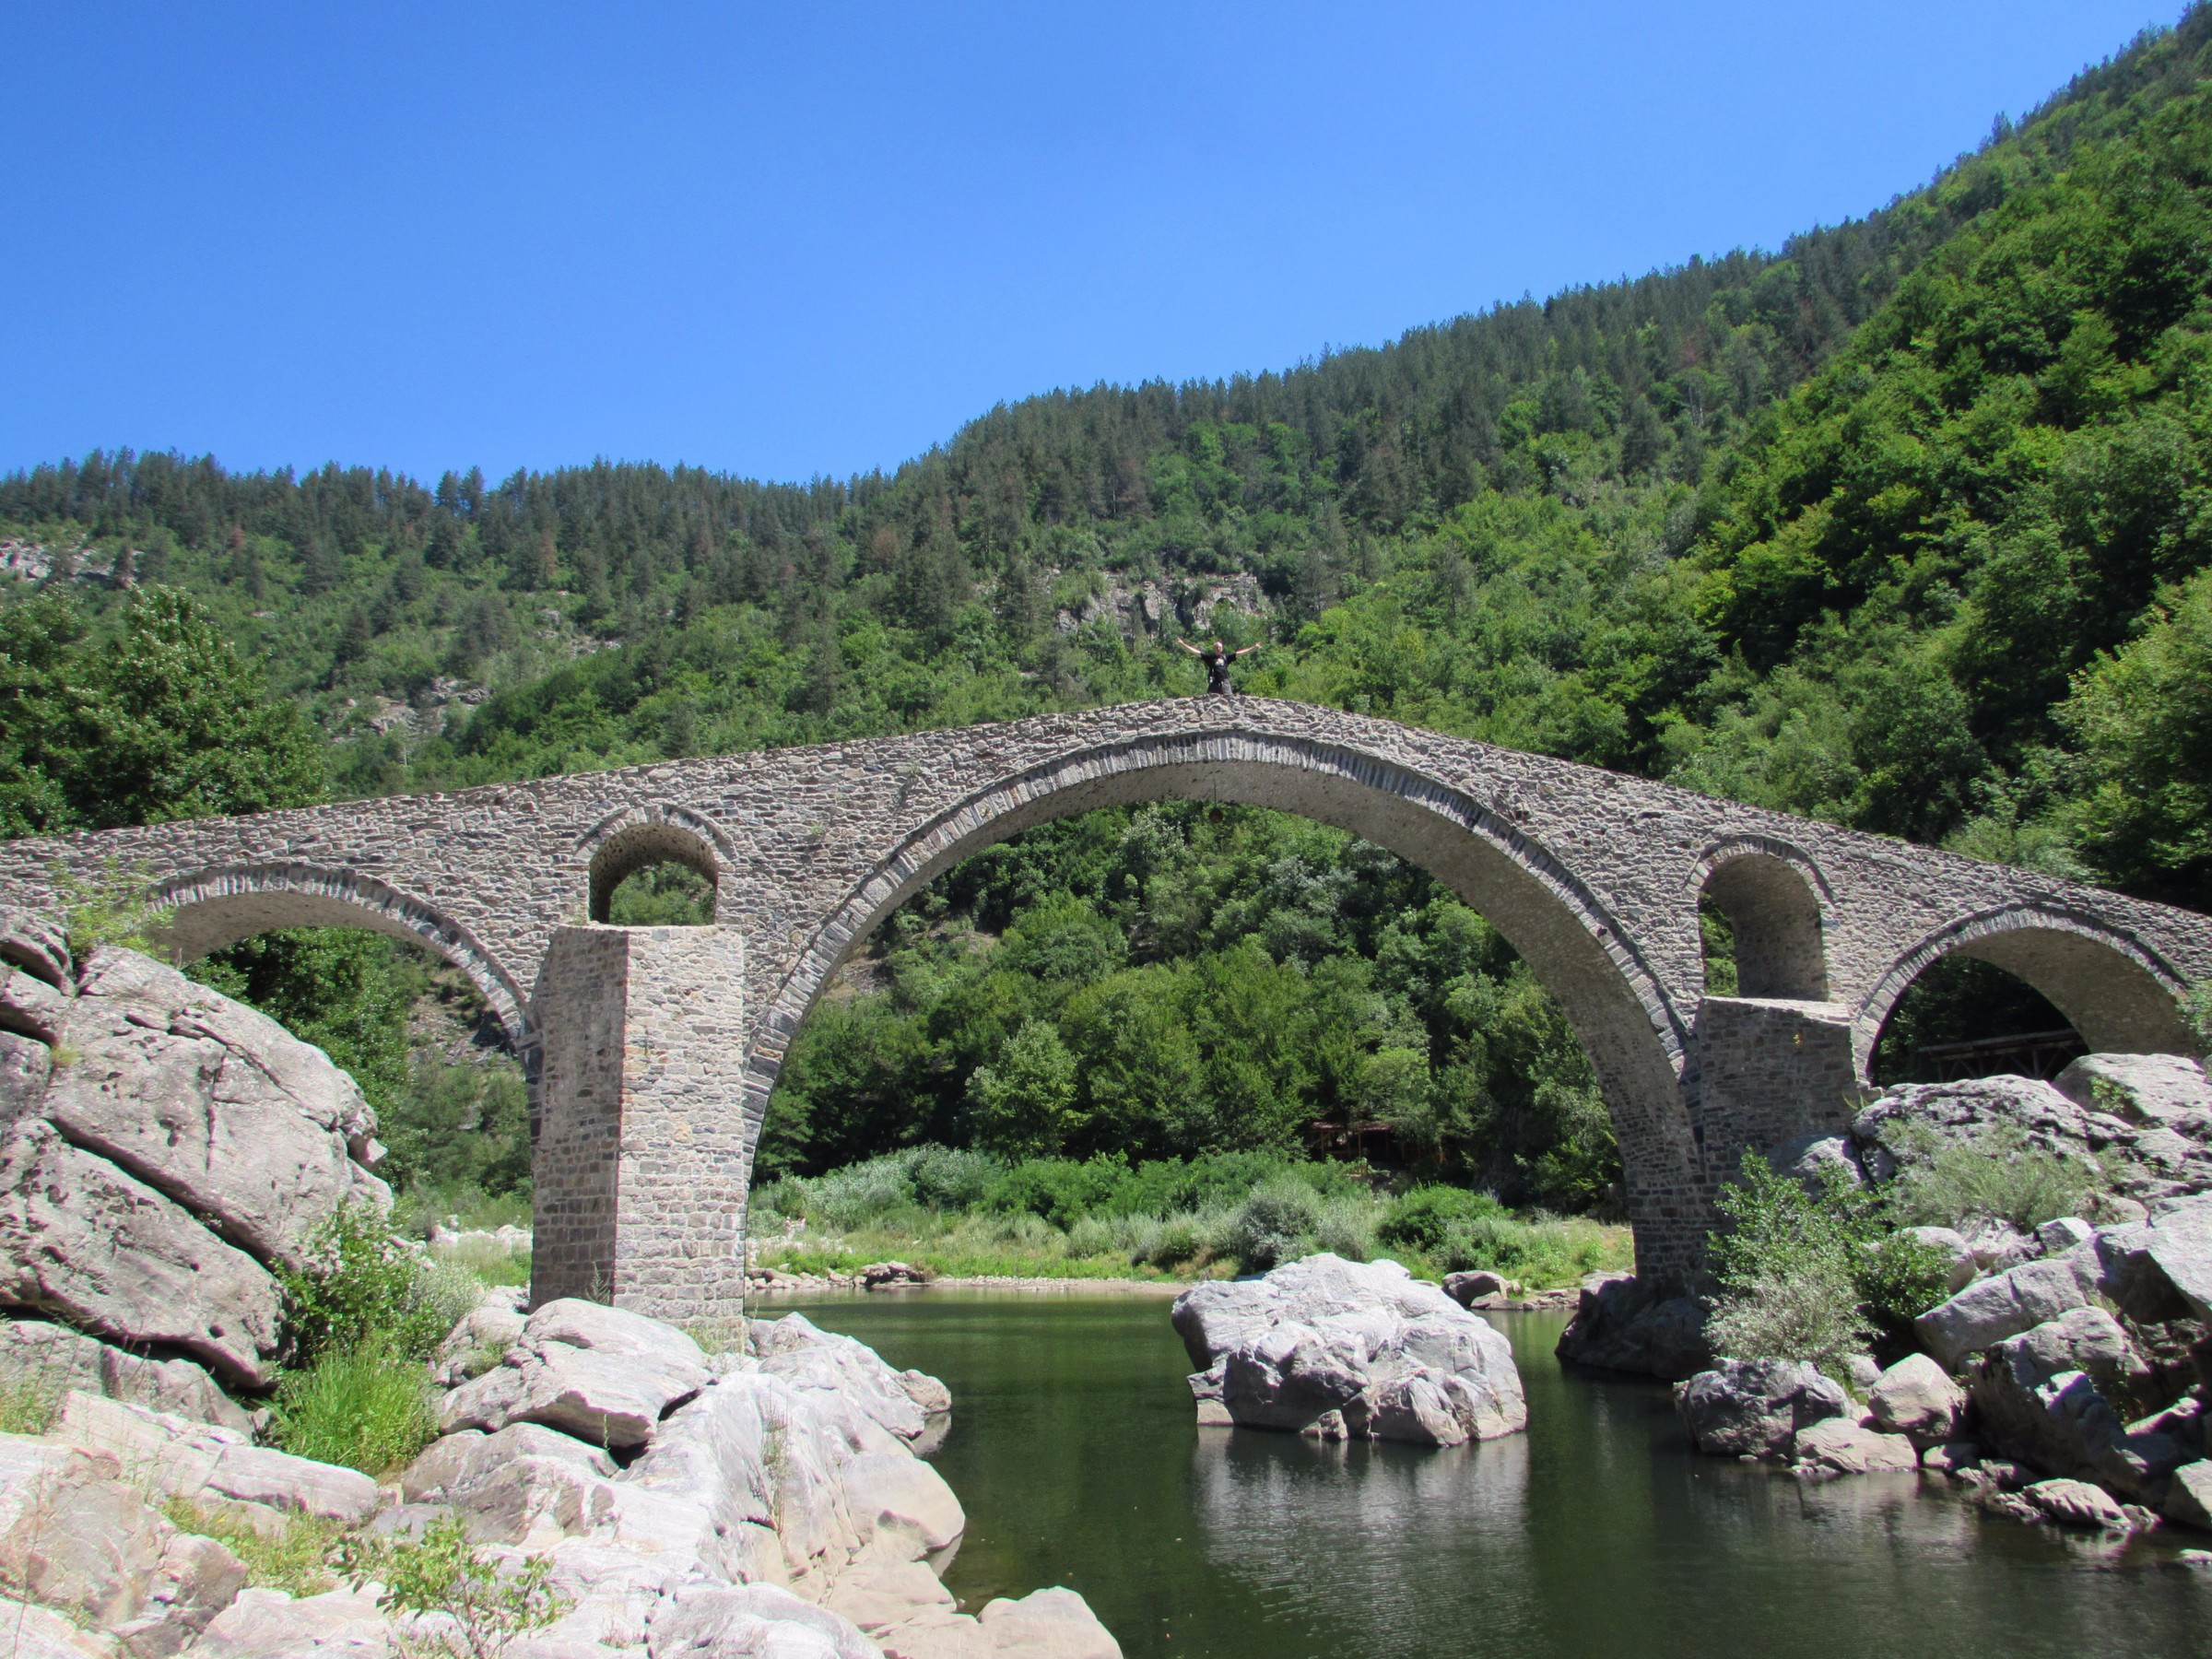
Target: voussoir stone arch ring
[(1218, 766), (2117, 991), (212, 907), (648, 833)]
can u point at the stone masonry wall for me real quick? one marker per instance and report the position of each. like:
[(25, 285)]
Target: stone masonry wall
[(1593, 876)]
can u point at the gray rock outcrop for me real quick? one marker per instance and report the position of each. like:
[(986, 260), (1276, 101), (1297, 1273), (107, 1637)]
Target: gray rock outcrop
[(597, 1373), (83, 1242), (2003, 1305), (78, 1539), (162, 1148), (58, 1359), (2038, 1399), (777, 1509), (1625, 1324), (2142, 1121), (1349, 1350), (1755, 1408)]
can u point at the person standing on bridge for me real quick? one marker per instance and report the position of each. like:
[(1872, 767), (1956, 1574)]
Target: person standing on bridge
[(1216, 663)]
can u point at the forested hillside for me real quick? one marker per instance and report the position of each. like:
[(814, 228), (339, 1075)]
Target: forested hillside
[(1904, 526)]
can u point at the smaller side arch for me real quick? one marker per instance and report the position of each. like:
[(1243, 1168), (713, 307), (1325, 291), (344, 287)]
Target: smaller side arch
[(209, 909), (1777, 902), (637, 838), (2118, 993)]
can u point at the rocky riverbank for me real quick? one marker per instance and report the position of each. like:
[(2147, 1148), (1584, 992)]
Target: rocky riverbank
[(2063, 1378), (640, 1493), (599, 1483)]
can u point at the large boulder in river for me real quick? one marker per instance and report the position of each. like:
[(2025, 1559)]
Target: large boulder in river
[(1917, 1398), (162, 1148), (1755, 1408), (1349, 1349), (1625, 1324)]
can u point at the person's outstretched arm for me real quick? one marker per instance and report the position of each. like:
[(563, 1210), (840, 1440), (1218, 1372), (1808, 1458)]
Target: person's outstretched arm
[(1248, 650), (1188, 646)]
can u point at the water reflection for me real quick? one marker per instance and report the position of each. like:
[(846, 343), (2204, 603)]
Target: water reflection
[(1315, 1527), (1598, 1532)]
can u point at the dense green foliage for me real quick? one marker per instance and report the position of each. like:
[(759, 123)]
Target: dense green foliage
[(162, 719), (360, 1290), (361, 1314), (1903, 526), (1188, 979), (1921, 562)]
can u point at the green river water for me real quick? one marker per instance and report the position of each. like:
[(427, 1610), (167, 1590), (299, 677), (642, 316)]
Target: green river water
[(1597, 1533)]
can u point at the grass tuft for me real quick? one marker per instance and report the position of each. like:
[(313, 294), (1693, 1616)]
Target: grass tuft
[(366, 1408)]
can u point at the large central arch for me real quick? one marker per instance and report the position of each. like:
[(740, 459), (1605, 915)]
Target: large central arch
[(1629, 1030)]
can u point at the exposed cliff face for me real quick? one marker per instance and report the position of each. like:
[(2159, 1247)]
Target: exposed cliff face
[(163, 1149)]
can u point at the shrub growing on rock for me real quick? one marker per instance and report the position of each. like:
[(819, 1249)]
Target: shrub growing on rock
[(442, 1574), (1808, 1310), (1998, 1174), (360, 1288), (1812, 1275)]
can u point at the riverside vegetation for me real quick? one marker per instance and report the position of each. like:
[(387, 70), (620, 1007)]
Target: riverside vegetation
[(966, 1213), (1901, 527)]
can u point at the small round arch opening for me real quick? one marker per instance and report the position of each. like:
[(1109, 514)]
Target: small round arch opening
[(640, 848), (1770, 917), (2113, 993)]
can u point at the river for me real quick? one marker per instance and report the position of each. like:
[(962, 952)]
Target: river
[(1597, 1533)]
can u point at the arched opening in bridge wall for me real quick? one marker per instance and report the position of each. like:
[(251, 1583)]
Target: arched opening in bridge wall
[(2021, 990), (1767, 902), (656, 866), (436, 1033), (1625, 1025)]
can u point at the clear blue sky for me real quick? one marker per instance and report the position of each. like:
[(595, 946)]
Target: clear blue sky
[(804, 239)]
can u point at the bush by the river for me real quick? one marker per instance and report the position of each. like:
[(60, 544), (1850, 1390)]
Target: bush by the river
[(1817, 1274), (966, 1212)]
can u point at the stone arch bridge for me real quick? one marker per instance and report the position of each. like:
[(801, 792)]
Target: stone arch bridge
[(654, 1050)]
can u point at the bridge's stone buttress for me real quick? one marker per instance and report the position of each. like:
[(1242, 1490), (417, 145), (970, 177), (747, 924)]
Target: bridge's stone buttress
[(661, 1045)]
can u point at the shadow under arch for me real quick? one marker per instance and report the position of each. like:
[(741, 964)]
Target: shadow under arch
[(1776, 900), (209, 909), (2120, 995), (637, 838), (1631, 1032)]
